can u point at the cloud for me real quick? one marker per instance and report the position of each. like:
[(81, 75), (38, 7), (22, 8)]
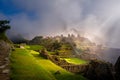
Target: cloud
[(50, 17), (99, 19)]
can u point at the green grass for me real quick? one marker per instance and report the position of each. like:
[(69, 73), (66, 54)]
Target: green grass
[(51, 53), (26, 64), (25, 67), (64, 75), (34, 47), (76, 61)]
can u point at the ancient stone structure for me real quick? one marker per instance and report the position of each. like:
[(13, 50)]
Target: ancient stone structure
[(75, 68), (44, 54), (4, 60)]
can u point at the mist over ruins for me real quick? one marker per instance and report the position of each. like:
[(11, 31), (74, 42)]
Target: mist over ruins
[(59, 40)]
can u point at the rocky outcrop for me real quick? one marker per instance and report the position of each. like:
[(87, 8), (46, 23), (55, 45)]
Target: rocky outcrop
[(98, 70), (44, 54), (4, 60), (117, 69)]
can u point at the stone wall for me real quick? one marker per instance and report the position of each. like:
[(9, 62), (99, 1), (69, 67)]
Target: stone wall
[(4, 60), (75, 68)]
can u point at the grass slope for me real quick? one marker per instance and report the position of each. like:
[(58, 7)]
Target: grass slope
[(26, 64), (52, 68), (64, 75), (34, 47), (25, 67)]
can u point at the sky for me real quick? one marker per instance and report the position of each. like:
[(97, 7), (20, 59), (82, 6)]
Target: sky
[(98, 20)]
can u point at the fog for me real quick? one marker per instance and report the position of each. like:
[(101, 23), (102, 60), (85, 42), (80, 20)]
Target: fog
[(98, 20)]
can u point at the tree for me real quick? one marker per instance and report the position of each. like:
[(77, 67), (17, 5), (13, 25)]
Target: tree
[(4, 25)]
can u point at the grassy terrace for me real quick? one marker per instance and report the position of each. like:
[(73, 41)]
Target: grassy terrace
[(26, 66), (76, 61), (33, 47)]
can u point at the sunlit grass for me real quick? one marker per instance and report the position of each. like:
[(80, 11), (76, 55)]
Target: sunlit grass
[(76, 61), (27, 64), (25, 67), (64, 75), (34, 47)]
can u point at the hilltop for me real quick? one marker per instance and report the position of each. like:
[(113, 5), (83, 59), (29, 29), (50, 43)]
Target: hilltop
[(72, 45)]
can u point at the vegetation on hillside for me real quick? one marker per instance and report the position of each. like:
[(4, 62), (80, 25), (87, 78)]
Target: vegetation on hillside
[(55, 45), (26, 66), (49, 43), (76, 61), (56, 56)]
